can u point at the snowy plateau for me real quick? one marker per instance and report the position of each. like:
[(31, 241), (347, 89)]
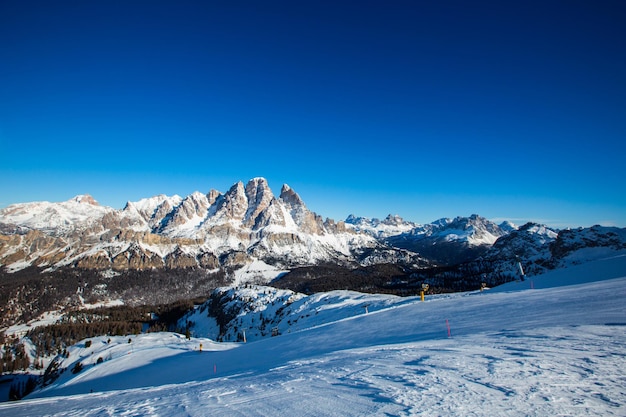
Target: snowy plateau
[(551, 345)]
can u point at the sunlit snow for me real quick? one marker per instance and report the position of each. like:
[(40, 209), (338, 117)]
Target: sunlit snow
[(559, 350)]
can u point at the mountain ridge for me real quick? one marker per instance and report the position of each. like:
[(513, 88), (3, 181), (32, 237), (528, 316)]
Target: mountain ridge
[(247, 218)]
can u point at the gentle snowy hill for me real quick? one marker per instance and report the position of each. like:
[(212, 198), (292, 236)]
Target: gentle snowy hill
[(553, 351), (258, 311)]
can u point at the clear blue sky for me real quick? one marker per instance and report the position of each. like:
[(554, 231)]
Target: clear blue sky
[(511, 110)]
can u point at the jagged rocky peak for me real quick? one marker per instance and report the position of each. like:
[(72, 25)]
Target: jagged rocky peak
[(212, 196), (195, 204), (259, 198), (307, 220), (393, 220), (507, 226), (351, 219), (478, 229), (290, 197), (153, 210), (85, 199), (234, 204)]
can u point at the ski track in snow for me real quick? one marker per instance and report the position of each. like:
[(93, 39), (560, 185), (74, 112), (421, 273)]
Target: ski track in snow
[(563, 371), (554, 351)]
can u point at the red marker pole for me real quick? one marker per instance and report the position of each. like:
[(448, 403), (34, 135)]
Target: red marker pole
[(448, 326)]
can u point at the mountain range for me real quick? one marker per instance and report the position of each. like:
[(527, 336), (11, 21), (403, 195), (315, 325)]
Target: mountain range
[(208, 231), (164, 248)]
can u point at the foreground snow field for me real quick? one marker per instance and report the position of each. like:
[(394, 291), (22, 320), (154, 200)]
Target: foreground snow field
[(559, 350)]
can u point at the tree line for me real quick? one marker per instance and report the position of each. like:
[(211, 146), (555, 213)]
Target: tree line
[(27, 293), (109, 321)]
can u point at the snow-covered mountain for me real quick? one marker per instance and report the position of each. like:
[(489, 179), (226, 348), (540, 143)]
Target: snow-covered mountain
[(210, 230), (390, 226), (56, 219), (452, 241), (539, 248), (511, 351)]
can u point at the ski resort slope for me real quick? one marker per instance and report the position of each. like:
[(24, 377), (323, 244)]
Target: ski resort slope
[(559, 350)]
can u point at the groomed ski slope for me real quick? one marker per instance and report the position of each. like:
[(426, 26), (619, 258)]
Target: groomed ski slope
[(559, 350)]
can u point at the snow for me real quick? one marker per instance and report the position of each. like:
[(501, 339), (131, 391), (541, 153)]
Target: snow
[(559, 350), (543, 230), (53, 217), (600, 269), (51, 317), (18, 266), (589, 254), (391, 226), (46, 319), (470, 235), (257, 272)]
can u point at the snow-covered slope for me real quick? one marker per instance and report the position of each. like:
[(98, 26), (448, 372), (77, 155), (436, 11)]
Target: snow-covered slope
[(540, 248), (259, 312), (560, 350)]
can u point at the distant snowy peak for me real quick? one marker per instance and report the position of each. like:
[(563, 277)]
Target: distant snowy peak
[(53, 218), (473, 230), (380, 229), (451, 241), (152, 210), (596, 241), (507, 226), (85, 199), (530, 242), (540, 248)]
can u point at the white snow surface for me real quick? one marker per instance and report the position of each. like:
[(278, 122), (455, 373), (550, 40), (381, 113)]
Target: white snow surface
[(556, 349), (257, 272), (54, 217)]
